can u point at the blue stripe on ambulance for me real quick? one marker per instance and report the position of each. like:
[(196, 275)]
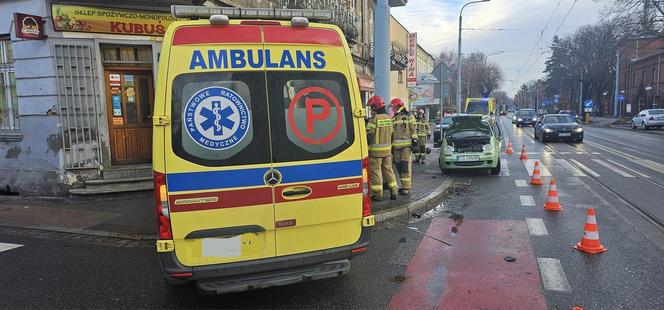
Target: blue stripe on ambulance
[(191, 181)]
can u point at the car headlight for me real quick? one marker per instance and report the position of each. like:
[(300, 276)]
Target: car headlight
[(487, 148), (548, 130), (580, 129), (449, 149), (519, 119), (534, 119)]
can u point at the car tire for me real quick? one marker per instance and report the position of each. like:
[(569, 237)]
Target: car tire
[(578, 140), (643, 126), (496, 170), (633, 125)]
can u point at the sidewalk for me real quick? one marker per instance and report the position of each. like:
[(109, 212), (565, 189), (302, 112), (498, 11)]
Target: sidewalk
[(131, 215), (619, 124)]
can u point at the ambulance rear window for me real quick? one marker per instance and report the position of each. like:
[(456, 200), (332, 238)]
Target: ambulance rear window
[(220, 118), (310, 115)]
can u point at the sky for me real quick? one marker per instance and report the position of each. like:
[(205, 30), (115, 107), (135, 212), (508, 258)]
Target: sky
[(523, 52)]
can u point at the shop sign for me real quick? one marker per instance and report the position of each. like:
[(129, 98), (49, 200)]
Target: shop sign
[(411, 76), (29, 27), (108, 20)]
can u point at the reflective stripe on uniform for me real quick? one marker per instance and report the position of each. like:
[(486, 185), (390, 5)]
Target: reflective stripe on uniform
[(377, 188), (371, 126), (401, 143), (380, 147), (385, 122)]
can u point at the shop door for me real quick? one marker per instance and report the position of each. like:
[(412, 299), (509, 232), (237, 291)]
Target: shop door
[(129, 102)]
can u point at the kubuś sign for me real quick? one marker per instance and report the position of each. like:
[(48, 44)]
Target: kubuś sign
[(107, 20), (29, 26)]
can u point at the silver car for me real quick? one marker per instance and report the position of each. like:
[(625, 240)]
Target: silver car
[(649, 118)]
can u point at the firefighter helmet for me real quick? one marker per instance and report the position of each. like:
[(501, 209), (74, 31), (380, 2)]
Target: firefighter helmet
[(397, 104), (376, 102)]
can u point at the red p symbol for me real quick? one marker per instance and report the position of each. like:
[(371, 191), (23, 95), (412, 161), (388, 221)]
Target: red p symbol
[(309, 104)]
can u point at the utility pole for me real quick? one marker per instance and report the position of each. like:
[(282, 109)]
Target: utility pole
[(616, 102), (581, 94), (458, 90)]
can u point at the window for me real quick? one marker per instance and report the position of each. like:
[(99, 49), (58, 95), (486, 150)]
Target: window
[(310, 115), (400, 77), (8, 99), (220, 118)]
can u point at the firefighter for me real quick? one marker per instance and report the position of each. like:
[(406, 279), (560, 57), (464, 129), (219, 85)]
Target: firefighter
[(404, 140), (379, 138), (422, 134)]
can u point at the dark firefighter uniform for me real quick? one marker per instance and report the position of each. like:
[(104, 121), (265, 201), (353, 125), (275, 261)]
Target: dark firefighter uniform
[(379, 137), (404, 138), (422, 134)]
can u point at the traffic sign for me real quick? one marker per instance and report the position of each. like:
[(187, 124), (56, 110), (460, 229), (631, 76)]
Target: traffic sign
[(588, 105)]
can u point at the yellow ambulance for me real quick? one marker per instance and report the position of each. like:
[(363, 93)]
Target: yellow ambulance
[(260, 153)]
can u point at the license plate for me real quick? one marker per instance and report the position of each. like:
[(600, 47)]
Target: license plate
[(564, 134), (468, 157), (222, 247)]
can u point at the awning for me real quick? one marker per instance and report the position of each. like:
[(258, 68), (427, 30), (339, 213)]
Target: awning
[(366, 82)]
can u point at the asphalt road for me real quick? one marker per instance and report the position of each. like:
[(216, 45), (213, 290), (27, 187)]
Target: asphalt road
[(484, 218)]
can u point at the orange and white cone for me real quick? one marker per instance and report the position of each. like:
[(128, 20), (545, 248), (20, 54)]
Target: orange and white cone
[(509, 150), (524, 155), (552, 203), (536, 179), (590, 240)]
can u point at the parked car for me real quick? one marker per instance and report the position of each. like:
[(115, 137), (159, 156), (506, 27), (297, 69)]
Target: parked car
[(471, 142), (558, 126), (571, 113), (513, 117), (649, 118), (526, 117), (439, 130)]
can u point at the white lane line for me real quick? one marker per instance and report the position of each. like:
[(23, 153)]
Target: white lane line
[(8, 246), (585, 168), (596, 153), (530, 165), (629, 169), (611, 150), (612, 168), (520, 183), (574, 170), (504, 168), (553, 275), (580, 153), (536, 227), (527, 201), (565, 153)]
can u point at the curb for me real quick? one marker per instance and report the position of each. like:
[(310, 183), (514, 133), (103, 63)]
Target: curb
[(427, 202), (89, 232), (635, 130)]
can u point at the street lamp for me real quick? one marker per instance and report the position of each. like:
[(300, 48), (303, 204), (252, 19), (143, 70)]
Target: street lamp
[(458, 86)]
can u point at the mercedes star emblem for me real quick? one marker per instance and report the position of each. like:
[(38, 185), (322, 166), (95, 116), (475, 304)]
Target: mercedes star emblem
[(272, 177)]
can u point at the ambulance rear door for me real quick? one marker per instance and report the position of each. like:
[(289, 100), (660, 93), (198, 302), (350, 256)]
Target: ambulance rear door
[(315, 140), (218, 146)]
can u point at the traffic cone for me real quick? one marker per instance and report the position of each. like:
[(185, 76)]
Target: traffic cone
[(524, 155), (552, 203), (536, 179), (590, 240), (509, 150)]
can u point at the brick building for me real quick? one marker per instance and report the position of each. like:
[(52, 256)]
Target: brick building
[(640, 74)]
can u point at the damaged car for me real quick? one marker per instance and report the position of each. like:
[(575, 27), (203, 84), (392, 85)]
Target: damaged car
[(471, 142)]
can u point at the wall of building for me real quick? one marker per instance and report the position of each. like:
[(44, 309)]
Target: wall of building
[(398, 88), (425, 62), (639, 63)]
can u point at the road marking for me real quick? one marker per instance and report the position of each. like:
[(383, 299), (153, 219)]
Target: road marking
[(536, 227), (565, 153), (504, 168), (574, 170), (610, 150), (520, 183), (629, 169), (527, 201), (530, 164), (596, 153), (580, 153), (585, 168), (553, 275), (8, 246), (612, 168)]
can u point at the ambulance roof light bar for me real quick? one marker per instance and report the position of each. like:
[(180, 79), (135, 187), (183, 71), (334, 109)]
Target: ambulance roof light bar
[(193, 12)]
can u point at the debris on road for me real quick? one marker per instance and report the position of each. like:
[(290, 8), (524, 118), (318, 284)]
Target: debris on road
[(510, 259)]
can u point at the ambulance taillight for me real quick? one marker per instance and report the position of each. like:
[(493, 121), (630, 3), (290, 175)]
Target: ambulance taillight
[(366, 197), (161, 206)]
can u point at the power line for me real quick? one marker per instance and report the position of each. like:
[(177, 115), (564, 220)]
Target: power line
[(540, 37)]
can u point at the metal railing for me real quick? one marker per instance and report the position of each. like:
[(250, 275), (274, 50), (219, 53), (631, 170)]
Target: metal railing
[(78, 99), (344, 12), (398, 56)]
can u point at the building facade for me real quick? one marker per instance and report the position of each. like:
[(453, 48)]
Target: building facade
[(398, 60), (640, 74)]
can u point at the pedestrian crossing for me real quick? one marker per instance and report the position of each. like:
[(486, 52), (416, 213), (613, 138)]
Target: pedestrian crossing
[(8, 246)]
